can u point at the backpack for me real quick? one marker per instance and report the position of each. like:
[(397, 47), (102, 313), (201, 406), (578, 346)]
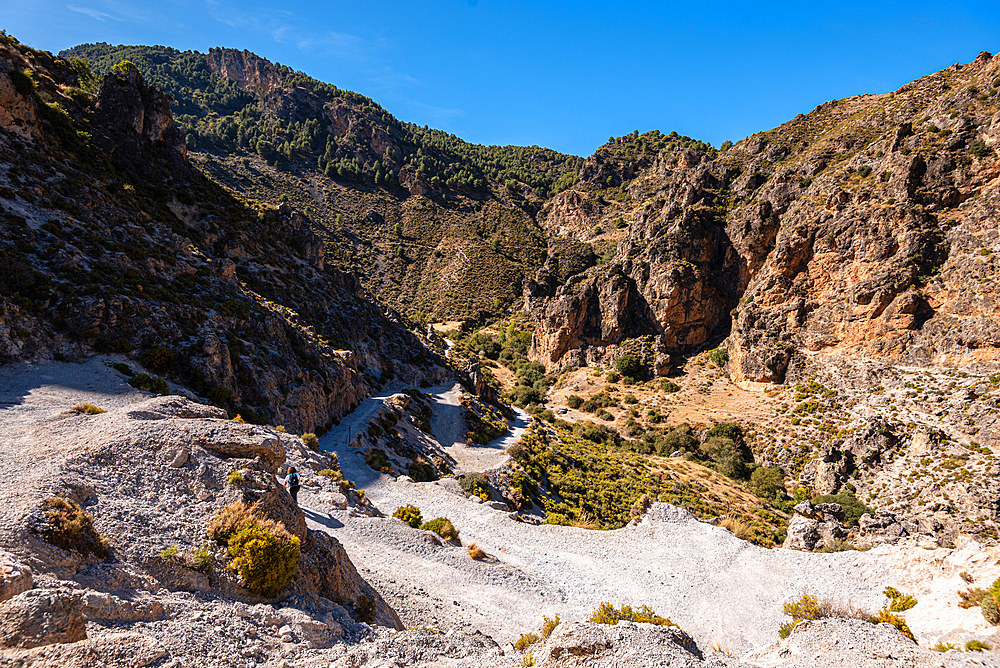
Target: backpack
[(293, 479)]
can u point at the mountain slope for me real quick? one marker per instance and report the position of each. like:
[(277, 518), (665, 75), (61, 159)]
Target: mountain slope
[(112, 243), (434, 225)]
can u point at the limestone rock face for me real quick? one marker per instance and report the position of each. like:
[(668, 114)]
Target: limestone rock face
[(873, 239), (885, 527), (17, 111), (248, 69)]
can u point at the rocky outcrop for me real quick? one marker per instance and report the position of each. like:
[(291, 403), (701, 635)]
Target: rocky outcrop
[(238, 304), (815, 526), (17, 106), (130, 113)]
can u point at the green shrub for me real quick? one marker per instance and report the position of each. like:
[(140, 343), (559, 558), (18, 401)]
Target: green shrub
[(265, 561), (409, 514), (149, 383), (669, 386), (886, 617), (235, 477), (377, 459), (218, 395), (631, 366), (680, 438), (160, 359), (202, 559), (606, 614), (898, 601), (810, 608), (68, 526), (719, 356), (22, 81), (864, 171), (123, 369), (991, 612), (729, 430), (526, 641), (442, 526), (169, 553), (613, 377), (574, 401), (311, 441), (767, 482), (978, 148), (89, 409), (976, 646), (476, 484), (852, 507), (327, 473), (943, 647)]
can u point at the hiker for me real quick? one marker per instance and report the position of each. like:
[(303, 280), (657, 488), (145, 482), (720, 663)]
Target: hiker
[(292, 483)]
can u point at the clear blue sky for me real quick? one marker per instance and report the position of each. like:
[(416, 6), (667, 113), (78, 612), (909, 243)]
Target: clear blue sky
[(557, 74)]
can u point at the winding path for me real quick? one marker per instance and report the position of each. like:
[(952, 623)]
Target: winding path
[(447, 425)]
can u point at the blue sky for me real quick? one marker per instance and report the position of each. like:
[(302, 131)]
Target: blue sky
[(558, 74)]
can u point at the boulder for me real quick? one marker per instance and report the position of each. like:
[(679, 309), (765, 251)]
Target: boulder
[(624, 645), (15, 577), (108, 607), (41, 617), (815, 526), (884, 527)]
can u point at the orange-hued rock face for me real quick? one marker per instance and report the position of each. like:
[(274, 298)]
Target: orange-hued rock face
[(867, 228)]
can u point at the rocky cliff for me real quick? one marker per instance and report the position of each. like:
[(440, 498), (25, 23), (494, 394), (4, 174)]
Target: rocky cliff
[(863, 228)]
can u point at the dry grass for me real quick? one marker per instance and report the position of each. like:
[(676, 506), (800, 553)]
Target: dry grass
[(476, 552), (584, 521), (70, 527), (640, 507), (739, 529), (229, 519)]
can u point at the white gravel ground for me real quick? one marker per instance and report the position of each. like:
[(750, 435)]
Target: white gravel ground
[(725, 592)]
